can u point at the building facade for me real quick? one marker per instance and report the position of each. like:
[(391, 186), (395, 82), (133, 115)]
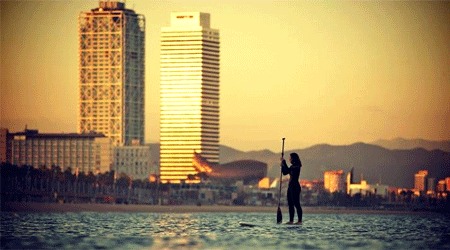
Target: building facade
[(111, 73), (447, 184), (5, 147), (89, 152), (334, 181), (431, 185), (420, 181), (363, 188), (189, 102), (134, 161)]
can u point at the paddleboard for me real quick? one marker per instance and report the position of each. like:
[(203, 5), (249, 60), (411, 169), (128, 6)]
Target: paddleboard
[(253, 224), (249, 224)]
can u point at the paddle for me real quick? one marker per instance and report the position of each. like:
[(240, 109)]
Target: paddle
[(279, 215)]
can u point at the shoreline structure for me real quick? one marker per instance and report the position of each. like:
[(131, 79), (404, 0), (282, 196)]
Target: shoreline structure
[(36, 207)]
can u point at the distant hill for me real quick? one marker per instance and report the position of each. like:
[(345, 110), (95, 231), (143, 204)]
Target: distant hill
[(375, 163), (400, 143), (392, 167)]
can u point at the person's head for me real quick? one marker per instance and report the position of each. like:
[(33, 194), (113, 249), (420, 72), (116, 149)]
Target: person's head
[(295, 159)]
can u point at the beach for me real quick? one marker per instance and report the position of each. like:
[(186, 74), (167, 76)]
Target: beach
[(38, 207)]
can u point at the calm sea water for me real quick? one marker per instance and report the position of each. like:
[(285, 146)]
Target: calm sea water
[(221, 231)]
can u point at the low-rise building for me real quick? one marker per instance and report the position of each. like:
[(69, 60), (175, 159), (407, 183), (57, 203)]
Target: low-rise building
[(447, 184), (364, 188), (5, 146), (133, 161), (86, 152)]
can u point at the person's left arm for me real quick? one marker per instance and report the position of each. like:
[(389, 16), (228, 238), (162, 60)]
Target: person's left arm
[(284, 168)]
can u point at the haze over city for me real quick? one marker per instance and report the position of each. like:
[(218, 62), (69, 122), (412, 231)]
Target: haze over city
[(314, 72), (111, 112)]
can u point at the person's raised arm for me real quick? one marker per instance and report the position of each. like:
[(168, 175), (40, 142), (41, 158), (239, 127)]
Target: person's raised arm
[(284, 168)]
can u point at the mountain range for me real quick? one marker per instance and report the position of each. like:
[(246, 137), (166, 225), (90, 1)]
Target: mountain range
[(376, 164), (401, 143)]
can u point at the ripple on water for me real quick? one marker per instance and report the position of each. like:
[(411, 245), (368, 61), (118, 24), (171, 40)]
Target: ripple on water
[(220, 231)]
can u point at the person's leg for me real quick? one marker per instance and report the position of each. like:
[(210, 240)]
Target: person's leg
[(291, 205), (299, 213), (298, 206)]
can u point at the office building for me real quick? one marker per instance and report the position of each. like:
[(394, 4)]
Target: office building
[(334, 181), (189, 104), (431, 185), (111, 73), (441, 187), (133, 161), (89, 152), (420, 181)]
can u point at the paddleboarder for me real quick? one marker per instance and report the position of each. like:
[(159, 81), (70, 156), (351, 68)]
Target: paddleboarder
[(294, 189)]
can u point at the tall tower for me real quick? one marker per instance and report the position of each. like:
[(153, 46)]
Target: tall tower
[(111, 73), (189, 104)]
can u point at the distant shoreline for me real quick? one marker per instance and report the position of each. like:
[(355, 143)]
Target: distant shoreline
[(35, 207)]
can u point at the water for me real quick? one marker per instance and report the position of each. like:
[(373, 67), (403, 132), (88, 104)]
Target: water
[(93, 230)]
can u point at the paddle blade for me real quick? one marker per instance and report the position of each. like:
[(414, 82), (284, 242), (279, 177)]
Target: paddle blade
[(279, 215)]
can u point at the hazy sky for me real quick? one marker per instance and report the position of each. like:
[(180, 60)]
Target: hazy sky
[(313, 72)]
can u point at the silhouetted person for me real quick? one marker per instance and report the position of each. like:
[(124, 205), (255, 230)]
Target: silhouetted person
[(294, 189)]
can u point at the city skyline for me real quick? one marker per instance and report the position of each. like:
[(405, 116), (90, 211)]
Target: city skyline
[(361, 71)]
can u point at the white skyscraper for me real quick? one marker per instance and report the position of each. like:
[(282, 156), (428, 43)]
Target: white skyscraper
[(111, 73), (189, 95)]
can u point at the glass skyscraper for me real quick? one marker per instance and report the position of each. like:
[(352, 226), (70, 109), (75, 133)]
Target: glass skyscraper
[(111, 73), (189, 121)]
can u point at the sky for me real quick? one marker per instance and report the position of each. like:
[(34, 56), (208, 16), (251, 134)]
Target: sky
[(335, 72)]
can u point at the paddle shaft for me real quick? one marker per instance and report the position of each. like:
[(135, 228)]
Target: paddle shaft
[(281, 172)]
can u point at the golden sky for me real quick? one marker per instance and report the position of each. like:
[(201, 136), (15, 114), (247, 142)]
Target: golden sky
[(313, 72)]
